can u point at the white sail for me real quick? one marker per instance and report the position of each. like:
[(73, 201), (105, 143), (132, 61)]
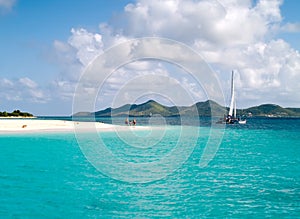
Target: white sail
[(234, 111), (232, 96), (232, 119)]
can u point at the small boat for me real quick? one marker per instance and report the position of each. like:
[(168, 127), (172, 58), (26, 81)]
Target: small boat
[(231, 118), (242, 121)]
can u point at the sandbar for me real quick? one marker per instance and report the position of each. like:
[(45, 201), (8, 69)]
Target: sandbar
[(39, 125)]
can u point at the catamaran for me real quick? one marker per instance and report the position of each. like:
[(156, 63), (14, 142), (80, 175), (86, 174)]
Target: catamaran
[(231, 118)]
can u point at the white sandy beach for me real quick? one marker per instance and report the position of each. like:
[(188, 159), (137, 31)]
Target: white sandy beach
[(37, 125)]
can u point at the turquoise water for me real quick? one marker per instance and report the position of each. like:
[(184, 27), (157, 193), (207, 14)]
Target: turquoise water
[(255, 174)]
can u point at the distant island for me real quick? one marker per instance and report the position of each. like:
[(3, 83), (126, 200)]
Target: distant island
[(15, 113), (152, 107)]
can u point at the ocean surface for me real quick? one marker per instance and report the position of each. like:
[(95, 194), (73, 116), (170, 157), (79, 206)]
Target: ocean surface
[(255, 173)]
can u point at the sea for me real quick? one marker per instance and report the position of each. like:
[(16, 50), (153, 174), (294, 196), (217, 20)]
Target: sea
[(171, 171)]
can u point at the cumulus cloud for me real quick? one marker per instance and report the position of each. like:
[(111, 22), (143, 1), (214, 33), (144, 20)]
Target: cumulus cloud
[(229, 34), (82, 47), (87, 45), (22, 89), (219, 22), (72, 57)]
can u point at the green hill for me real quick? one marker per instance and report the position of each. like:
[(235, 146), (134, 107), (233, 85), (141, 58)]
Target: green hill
[(272, 110), (151, 107), (207, 108), (145, 109)]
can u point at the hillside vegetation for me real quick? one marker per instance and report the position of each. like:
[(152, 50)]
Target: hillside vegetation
[(15, 113), (207, 108)]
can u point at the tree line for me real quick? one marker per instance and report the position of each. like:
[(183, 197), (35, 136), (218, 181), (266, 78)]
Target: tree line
[(15, 113)]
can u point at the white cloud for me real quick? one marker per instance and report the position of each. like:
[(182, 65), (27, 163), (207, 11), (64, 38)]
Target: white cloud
[(73, 56), (223, 23), (269, 10), (229, 34), (291, 28), (156, 86), (23, 89), (63, 89), (87, 45), (28, 83)]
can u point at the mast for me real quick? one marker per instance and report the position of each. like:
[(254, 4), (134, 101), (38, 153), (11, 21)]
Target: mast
[(232, 96)]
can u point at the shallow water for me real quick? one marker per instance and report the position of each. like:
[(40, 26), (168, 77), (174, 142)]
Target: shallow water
[(255, 173)]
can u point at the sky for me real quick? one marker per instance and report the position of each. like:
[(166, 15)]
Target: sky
[(46, 46)]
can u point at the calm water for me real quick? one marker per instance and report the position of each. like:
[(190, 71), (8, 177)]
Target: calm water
[(255, 174)]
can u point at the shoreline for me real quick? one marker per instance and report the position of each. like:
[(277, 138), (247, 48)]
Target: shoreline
[(18, 117), (53, 126)]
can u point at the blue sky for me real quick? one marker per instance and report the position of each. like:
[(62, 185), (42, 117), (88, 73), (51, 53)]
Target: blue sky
[(30, 27), (45, 45)]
